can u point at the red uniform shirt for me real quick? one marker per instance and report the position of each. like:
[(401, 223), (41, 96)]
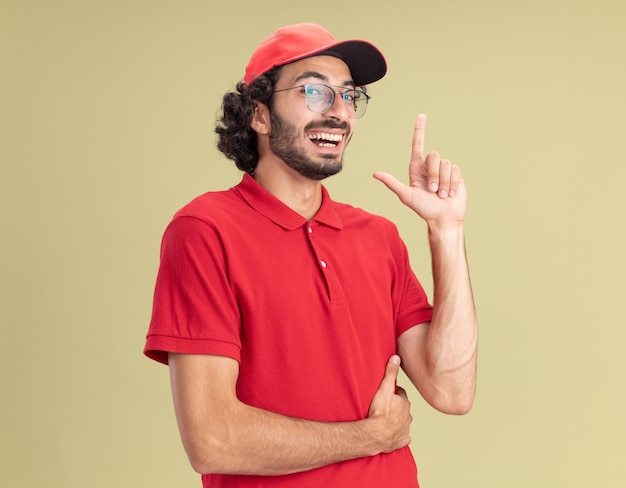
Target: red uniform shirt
[(310, 309)]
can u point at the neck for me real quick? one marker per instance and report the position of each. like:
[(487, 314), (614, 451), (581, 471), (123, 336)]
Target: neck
[(300, 194)]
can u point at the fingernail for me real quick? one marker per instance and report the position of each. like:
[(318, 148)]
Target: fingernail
[(443, 193), (434, 187), (395, 360)]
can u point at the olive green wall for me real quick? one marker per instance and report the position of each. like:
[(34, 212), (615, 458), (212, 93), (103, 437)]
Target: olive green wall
[(107, 110)]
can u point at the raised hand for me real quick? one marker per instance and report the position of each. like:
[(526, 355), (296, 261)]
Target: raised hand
[(436, 191)]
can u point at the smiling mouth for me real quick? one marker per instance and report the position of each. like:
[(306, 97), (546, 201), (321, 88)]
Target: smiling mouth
[(326, 139)]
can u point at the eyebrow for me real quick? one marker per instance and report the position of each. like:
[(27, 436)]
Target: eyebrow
[(319, 76)]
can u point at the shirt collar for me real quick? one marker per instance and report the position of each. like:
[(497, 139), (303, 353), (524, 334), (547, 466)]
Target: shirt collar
[(271, 207)]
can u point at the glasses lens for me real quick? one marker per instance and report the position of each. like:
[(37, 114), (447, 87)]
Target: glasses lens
[(319, 99), (356, 100)]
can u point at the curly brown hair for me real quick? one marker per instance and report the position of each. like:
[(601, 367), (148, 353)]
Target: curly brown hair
[(236, 139)]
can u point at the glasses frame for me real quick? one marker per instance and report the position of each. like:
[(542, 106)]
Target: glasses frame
[(343, 94)]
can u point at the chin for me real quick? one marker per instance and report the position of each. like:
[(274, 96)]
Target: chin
[(321, 172)]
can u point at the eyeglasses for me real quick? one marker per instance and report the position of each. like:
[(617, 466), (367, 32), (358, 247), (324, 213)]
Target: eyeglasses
[(319, 98)]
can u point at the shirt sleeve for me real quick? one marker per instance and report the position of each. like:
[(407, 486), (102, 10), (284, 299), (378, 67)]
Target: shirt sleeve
[(194, 308), (414, 307)]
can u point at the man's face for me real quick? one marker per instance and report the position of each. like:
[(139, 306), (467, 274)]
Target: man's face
[(311, 144)]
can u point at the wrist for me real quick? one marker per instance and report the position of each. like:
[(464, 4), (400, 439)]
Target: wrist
[(373, 430), (438, 231)]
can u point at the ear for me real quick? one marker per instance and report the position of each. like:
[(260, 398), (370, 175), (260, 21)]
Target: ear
[(261, 119)]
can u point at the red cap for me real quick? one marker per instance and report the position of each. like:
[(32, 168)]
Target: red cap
[(294, 42)]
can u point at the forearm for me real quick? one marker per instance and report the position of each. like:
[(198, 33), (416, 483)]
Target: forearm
[(451, 344), (258, 442), (440, 358), (223, 435)]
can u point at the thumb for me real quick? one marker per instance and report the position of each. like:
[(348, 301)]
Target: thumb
[(391, 374), (395, 185)]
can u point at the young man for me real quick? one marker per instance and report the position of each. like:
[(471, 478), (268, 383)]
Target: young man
[(283, 314)]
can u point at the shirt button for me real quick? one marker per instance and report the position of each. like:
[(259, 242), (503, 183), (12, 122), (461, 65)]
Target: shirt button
[(323, 263), (310, 230)]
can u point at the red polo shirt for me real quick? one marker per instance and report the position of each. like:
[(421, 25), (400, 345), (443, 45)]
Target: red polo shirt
[(310, 309)]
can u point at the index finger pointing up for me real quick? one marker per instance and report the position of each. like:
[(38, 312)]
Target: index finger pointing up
[(418, 138)]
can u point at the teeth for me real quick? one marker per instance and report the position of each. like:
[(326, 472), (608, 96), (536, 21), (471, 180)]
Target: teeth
[(326, 137)]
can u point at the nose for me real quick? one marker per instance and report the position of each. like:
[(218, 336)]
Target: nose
[(338, 110)]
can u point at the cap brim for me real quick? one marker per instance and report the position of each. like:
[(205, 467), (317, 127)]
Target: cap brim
[(365, 61)]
